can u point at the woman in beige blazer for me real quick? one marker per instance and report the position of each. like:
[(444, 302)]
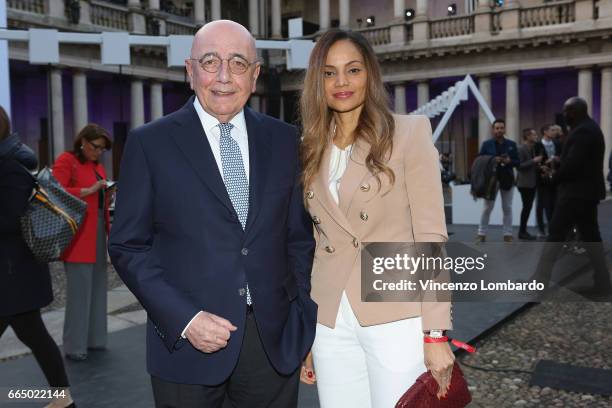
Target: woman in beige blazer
[(369, 176)]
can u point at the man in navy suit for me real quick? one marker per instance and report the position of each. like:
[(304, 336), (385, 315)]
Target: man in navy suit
[(211, 235)]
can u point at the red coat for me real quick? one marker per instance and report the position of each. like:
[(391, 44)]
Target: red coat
[(73, 176)]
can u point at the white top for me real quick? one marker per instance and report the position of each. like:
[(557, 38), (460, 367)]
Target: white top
[(213, 133), (549, 145), (337, 166)]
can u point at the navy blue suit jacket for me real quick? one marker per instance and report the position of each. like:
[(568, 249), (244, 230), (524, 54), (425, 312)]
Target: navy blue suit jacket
[(178, 245)]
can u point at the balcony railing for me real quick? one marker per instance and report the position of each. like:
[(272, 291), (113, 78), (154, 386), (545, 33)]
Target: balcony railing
[(109, 15), (377, 35), (105, 15), (451, 27), (32, 6), (180, 28), (548, 14)]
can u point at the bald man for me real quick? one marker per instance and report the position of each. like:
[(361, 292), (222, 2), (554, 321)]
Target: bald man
[(580, 188), (211, 235)]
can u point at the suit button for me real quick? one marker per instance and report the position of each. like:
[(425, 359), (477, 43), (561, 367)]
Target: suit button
[(316, 219), (355, 242), (364, 216), (365, 187), (241, 291), (244, 251), (330, 249), (310, 194)]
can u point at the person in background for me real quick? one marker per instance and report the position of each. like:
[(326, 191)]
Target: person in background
[(80, 172), (528, 170), (581, 186), (505, 152), (25, 284), (550, 150)]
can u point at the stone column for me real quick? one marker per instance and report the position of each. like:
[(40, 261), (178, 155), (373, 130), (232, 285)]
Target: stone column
[(605, 9), (400, 98), (137, 21), (510, 16), (512, 107), (153, 4), (324, 16), (215, 9), (157, 101), (482, 17), (345, 13), (57, 114), (420, 25), (276, 19), (137, 104), (484, 125), (79, 100), (398, 29), (399, 6), (254, 17), (606, 112), (422, 92), (585, 86), (199, 11)]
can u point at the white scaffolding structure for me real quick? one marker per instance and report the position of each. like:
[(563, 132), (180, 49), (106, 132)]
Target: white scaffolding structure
[(448, 101)]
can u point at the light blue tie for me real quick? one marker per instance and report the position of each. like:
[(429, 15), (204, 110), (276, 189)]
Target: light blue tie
[(235, 179)]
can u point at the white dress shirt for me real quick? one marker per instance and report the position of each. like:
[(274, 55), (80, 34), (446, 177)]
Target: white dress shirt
[(213, 134)]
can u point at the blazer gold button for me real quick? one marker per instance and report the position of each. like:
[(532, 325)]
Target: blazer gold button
[(365, 187), (364, 215), (310, 194), (355, 242), (316, 219), (330, 249)]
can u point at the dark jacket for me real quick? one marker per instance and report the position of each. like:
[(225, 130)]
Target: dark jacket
[(25, 284), (507, 147), (580, 174), (539, 150), (528, 169), (180, 256)]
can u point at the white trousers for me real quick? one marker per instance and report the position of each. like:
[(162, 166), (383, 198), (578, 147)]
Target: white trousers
[(366, 367)]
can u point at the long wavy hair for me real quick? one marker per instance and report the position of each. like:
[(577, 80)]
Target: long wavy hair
[(376, 124)]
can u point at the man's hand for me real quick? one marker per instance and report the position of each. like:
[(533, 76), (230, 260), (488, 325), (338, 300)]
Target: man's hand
[(537, 159), (208, 332)]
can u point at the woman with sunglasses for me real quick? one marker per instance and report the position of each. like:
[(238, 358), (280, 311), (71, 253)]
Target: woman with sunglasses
[(80, 172)]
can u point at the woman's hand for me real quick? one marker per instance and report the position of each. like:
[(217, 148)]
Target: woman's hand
[(439, 359), (94, 188), (307, 374)]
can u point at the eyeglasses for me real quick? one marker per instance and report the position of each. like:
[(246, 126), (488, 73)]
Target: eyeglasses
[(211, 63), (97, 147)]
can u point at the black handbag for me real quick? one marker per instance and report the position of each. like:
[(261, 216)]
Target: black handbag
[(52, 218)]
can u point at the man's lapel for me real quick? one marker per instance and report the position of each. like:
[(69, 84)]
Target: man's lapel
[(193, 143), (259, 161)]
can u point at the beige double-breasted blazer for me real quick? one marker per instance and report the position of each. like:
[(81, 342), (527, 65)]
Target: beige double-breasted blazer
[(411, 210)]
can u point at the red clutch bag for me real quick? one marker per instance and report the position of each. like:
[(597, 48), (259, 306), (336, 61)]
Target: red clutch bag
[(423, 392)]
